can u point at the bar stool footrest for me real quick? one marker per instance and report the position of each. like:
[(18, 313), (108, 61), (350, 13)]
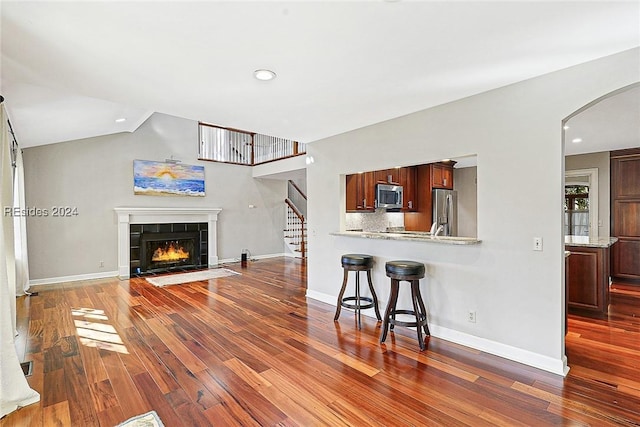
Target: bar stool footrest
[(412, 324), (368, 302)]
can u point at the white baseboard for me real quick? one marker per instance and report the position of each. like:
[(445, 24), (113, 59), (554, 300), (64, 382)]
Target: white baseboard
[(319, 296), (292, 255), (75, 278), (107, 274), (546, 363)]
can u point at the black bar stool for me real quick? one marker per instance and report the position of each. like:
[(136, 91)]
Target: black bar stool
[(411, 272), (357, 263)]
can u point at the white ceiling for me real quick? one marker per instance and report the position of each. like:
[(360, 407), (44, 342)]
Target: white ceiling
[(612, 123), (69, 69)]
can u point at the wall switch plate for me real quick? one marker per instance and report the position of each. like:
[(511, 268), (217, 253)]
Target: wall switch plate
[(537, 243)]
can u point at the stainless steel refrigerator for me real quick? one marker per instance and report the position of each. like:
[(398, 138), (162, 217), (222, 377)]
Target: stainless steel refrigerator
[(445, 212)]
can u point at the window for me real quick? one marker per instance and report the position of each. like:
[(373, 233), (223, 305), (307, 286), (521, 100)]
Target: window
[(576, 208), (581, 203)]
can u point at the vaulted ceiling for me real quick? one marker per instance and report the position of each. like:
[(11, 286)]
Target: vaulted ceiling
[(70, 69)]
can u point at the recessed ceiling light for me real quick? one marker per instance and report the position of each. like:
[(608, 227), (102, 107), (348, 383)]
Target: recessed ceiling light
[(264, 75), (565, 127), (576, 140), (120, 120)]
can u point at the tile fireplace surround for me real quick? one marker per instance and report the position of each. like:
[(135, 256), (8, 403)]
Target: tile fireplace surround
[(134, 215)]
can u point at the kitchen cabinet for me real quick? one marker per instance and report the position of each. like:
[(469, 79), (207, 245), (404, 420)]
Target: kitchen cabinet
[(587, 279), (360, 192), (361, 188), (407, 178), (388, 176), (442, 176), (625, 213), (428, 177)]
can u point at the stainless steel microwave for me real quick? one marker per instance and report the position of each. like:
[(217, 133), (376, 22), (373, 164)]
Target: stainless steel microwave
[(389, 196)]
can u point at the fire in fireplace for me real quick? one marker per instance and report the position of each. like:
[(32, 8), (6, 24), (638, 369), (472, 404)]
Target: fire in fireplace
[(170, 251), (167, 251)]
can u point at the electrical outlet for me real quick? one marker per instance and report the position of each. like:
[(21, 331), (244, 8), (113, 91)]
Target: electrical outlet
[(471, 317), (537, 243)]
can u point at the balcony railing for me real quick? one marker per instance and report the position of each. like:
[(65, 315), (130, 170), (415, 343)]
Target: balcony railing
[(236, 146)]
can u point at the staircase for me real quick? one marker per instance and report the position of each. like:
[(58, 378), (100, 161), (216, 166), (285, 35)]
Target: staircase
[(295, 233)]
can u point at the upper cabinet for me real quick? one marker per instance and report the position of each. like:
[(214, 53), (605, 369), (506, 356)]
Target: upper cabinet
[(388, 176), (361, 188), (407, 177), (442, 175), (360, 192)]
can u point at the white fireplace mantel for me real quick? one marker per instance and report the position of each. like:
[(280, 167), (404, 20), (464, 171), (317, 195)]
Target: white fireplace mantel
[(143, 215)]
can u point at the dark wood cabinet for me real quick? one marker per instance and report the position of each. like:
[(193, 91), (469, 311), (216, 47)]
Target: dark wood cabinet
[(407, 178), (442, 176), (360, 192), (417, 183), (420, 219), (361, 188), (351, 192), (388, 176), (587, 279), (428, 177), (625, 214)]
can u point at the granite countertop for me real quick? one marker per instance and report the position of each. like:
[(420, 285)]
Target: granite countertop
[(411, 236), (588, 242)]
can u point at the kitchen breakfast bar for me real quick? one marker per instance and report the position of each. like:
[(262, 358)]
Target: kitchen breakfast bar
[(412, 236), (399, 255)]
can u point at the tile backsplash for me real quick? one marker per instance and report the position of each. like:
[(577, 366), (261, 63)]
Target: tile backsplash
[(379, 220)]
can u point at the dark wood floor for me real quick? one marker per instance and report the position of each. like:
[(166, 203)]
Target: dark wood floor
[(251, 350)]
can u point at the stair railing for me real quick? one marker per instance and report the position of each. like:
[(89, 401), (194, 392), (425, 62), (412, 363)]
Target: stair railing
[(297, 197), (296, 227), (228, 145)]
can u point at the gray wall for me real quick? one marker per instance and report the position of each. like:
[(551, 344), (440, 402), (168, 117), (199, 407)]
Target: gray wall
[(96, 174), (602, 163), (464, 181), (516, 131)]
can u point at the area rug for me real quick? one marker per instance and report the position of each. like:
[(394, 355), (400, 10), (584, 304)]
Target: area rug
[(150, 419), (195, 276)]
